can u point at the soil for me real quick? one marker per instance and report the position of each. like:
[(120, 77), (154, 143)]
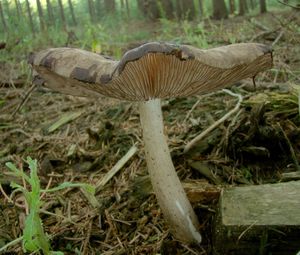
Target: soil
[(258, 144)]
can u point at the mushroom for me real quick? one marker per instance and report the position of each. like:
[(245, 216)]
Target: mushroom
[(147, 74)]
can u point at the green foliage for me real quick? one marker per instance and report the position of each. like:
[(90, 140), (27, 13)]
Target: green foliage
[(190, 33), (34, 238), (108, 34)]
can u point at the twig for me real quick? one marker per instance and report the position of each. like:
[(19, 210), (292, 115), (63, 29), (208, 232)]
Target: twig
[(278, 37), (5, 195), (196, 104), (246, 230), (228, 130), (192, 109), (87, 239), (100, 184), (91, 198), (113, 227), (217, 123), (294, 157), (192, 251), (25, 99), (299, 103), (47, 187), (259, 25), (13, 242)]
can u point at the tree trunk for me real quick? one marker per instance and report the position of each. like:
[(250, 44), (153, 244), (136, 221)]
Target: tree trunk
[(98, 9), (127, 8), (149, 8), (263, 6), (62, 15), (201, 10), (91, 10), (179, 8), (3, 19), (50, 12), (30, 17), (243, 7), (110, 6), (72, 12), (168, 8), (18, 9), (219, 10), (231, 6), (185, 9), (5, 7), (156, 9), (41, 15), (252, 4)]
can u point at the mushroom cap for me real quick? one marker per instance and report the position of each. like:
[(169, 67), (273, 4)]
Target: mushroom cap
[(153, 70)]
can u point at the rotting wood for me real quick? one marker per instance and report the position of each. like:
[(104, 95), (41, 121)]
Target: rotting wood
[(260, 219)]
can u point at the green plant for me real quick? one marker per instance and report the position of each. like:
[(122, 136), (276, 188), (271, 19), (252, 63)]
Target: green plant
[(34, 238)]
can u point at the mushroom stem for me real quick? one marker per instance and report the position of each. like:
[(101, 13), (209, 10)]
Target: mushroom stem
[(170, 194)]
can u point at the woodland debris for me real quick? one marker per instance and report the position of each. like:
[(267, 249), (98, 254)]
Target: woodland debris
[(199, 137), (293, 154), (198, 191), (291, 176), (118, 166), (205, 170), (25, 98), (67, 117), (260, 219)]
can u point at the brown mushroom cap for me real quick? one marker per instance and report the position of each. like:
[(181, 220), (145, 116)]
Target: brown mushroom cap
[(153, 70)]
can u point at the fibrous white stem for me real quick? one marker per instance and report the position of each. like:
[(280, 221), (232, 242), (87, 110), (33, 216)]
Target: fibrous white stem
[(170, 194)]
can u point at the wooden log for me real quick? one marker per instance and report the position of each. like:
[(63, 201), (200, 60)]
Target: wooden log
[(197, 191), (263, 219)]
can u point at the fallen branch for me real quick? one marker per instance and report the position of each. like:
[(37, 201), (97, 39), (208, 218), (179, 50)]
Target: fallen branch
[(199, 137)]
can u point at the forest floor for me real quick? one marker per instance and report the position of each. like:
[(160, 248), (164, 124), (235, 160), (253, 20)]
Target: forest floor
[(257, 145)]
